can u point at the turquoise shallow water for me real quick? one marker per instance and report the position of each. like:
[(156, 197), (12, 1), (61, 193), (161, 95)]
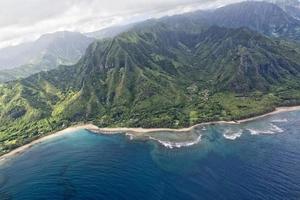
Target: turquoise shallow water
[(255, 160)]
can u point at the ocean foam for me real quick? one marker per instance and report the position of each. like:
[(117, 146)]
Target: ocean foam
[(172, 145), (131, 136), (279, 120), (258, 132), (233, 136), (274, 129)]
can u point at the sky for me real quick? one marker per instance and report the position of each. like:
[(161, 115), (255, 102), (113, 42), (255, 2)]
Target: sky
[(26, 20)]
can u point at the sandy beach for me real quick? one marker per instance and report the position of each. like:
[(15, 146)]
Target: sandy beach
[(147, 130), (276, 111), (136, 131)]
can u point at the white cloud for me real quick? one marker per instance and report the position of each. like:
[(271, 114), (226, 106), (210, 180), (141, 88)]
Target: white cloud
[(26, 20)]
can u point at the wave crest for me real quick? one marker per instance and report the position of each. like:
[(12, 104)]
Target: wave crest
[(130, 135), (273, 129), (233, 136), (172, 145), (279, 120)]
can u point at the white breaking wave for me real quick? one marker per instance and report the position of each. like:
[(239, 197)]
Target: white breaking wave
[(274, 129), (279, 120), (131, 136), (172, 145), (233, 136), (258, 132)]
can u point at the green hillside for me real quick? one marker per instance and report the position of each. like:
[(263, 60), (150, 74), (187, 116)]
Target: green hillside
[(173, 72)]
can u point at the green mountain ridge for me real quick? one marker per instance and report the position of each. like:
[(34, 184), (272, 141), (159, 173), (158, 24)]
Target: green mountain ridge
[(46, 53), (173, 72), (66, 48)]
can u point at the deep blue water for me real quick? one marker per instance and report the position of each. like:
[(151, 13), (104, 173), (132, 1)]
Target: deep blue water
[(263, 163)]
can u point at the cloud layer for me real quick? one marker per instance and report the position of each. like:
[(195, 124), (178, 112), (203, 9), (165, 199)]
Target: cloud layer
[(22, 21)]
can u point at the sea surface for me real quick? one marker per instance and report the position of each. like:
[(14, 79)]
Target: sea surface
[(254, 160)]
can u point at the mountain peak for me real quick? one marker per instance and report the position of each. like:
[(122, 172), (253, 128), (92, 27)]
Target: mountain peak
[(59, 34), (263, 17)]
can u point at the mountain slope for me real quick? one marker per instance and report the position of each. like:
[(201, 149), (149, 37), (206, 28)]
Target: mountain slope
[(67, 47), (46, 53), (264, 17), (172, 72), (292, 7), (110, 32), (242, 60)]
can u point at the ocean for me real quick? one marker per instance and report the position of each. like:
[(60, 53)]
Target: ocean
[(254, 160)]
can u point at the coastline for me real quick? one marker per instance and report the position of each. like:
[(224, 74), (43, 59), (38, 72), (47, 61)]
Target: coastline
[(148, 130), (25, 147), (276, 111), (135, 131)]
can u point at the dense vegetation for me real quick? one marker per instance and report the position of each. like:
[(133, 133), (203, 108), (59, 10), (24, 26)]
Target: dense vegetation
[(173, 72)]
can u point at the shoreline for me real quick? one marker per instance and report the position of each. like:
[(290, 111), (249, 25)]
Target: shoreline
[(149, 130), (139, 131), (276, 111), (25, 147)]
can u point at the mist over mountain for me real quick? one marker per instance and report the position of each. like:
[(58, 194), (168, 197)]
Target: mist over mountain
[(264, 17), (110, 32), (48, 52), (292, 7), (67, 45), (66, 48)]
